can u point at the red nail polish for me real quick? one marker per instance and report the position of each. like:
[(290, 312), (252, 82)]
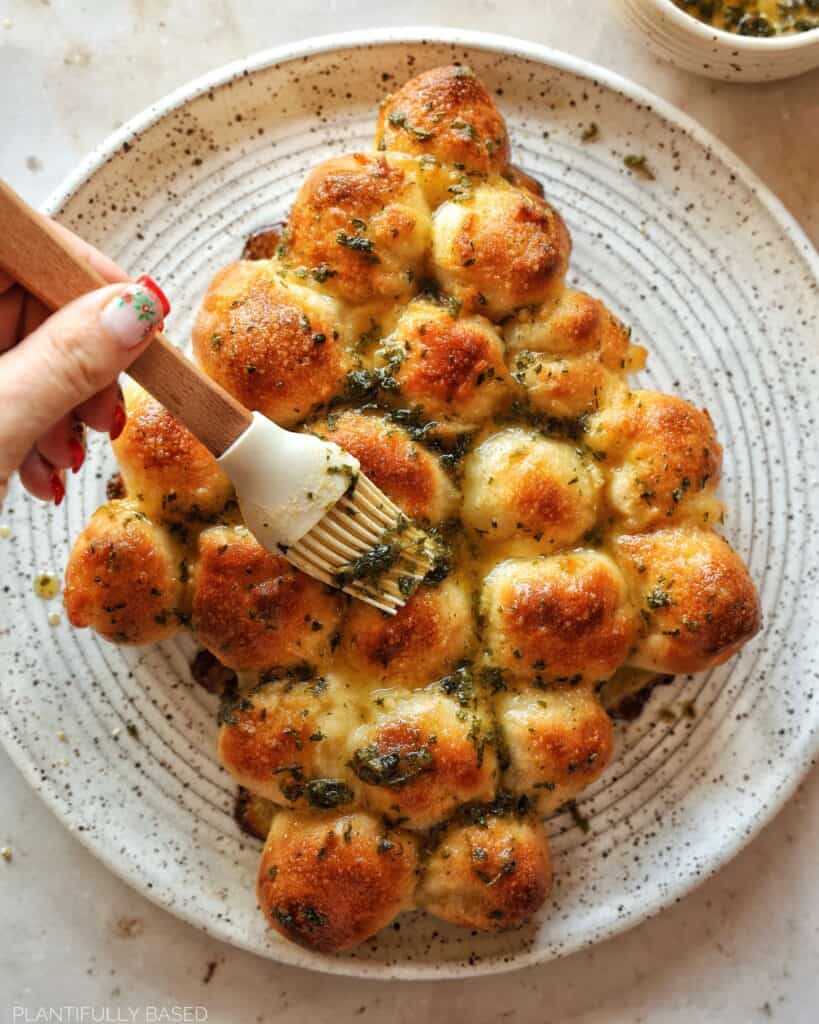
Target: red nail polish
[(119, 422), (148, 282), (57, 488), (77, 450)]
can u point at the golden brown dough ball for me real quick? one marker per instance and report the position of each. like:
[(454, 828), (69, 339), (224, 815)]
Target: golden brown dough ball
[(498, 249), (490, 874), (330, 881), (663, 460), (559, 617), (697, 601), (446, 114), (125, 578), (286, 740), (274, 344), (563, 388), (558, 740), (518, 483), (570, 325), (424, 753), (253, 610), (421, 642), (168, 474), (453, 369), (570, 354), (360, 226), (405, 472)]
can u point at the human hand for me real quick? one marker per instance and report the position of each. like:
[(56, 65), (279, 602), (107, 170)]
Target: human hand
[(58, 372)]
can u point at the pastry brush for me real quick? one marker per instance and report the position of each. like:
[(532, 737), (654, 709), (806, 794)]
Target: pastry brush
[(300, 496)]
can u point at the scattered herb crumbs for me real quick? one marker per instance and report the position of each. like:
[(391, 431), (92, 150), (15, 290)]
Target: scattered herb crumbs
[(312, 917), (590, 133), (468, 129), (370, 565), (658, 598), (327, 793), (398, 120), (392, 769), (358, 243), (639, 165), (322, 272), (578, 818)]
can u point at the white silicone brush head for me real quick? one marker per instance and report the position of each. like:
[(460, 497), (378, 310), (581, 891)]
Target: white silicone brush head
[(306, 499), (285, 482)]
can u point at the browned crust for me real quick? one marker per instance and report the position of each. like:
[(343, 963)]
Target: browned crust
[(570, 623), (457, 771), (253, 610), (415, 645), (520, 256), (358, 195), (713, 606), (262, 740), (165, 464), (581, 323), (402, 469), (541, 501), (575, 748), (566, 387), (122, 578), (448, 362), (269, 351), (667, 445), (489, 876), (330, 882), (452, 108)]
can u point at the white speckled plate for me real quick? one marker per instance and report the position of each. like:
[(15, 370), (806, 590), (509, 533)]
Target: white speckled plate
[(716, 280)]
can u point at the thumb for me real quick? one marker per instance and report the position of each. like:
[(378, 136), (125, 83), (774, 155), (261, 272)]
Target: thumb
[(70, 357)]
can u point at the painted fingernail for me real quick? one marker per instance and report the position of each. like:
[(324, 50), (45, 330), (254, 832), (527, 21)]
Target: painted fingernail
[(137, 312), (118, 425), (57, 487), (152, 286), (77, 450)]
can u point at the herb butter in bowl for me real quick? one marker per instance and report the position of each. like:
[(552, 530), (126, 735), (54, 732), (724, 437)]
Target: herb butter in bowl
[(731, 40)]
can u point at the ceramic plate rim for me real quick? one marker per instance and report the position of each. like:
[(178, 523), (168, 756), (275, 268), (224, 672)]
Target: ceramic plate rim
[(506, 45)]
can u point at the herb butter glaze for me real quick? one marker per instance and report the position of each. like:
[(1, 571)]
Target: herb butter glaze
[(761, 18)]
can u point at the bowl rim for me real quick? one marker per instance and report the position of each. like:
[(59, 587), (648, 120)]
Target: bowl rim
[(802, 757), (747, 44)]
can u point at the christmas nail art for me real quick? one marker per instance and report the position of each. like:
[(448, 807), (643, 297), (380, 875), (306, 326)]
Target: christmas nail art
[(137, 312)]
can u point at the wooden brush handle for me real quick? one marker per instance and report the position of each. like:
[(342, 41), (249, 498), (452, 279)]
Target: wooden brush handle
[(44, 264)]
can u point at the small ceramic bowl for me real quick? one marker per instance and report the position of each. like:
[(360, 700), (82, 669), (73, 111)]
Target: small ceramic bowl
[(694, 46)]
